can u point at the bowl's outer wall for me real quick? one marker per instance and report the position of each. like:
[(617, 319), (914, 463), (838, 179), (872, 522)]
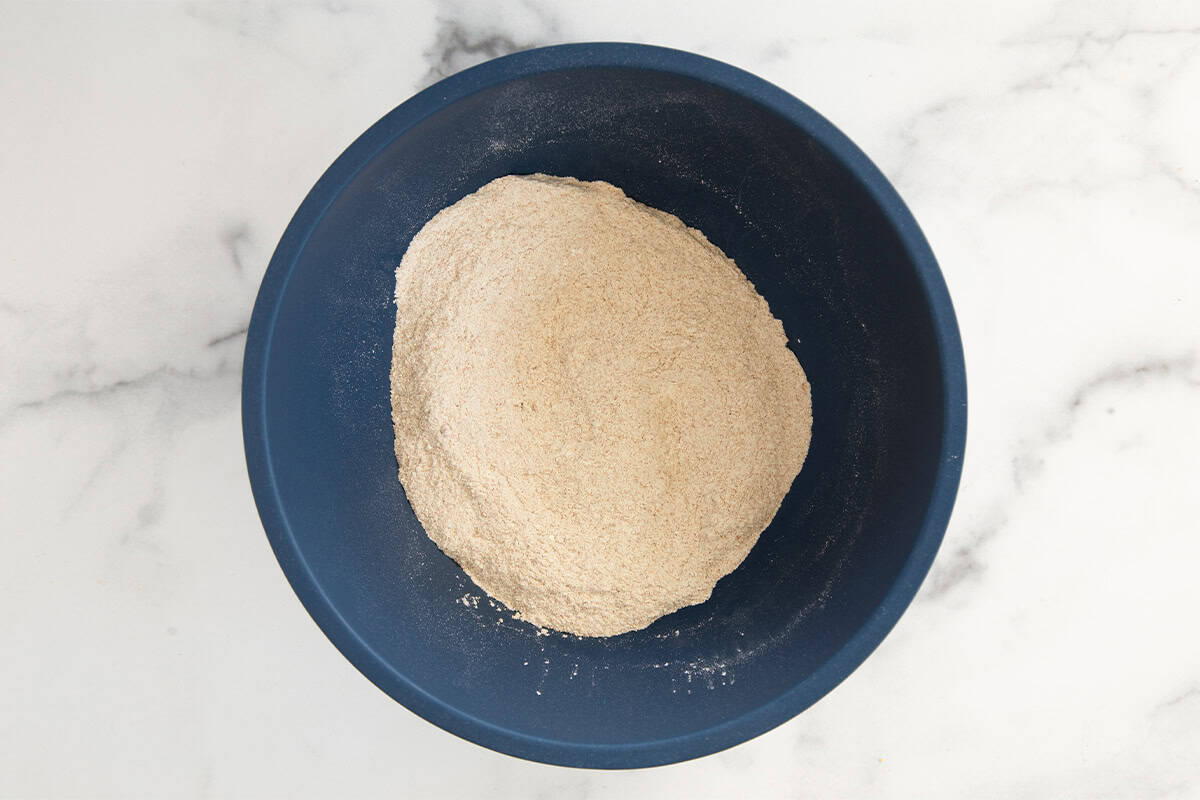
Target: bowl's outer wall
[(833, 267)]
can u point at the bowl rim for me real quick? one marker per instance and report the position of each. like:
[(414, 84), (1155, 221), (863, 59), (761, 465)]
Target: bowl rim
[(274, 519)]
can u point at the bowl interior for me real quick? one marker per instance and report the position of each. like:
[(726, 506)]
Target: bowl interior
[(832, 267)]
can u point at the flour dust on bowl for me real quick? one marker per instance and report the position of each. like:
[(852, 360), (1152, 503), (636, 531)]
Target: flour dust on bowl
[(822, 237)]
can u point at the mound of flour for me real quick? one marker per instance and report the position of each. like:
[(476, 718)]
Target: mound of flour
[(596, 414)]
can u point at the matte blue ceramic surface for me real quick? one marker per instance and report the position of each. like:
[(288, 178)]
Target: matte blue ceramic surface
[(824, 238)]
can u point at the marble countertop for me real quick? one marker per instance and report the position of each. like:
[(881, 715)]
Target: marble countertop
[(151, 155)]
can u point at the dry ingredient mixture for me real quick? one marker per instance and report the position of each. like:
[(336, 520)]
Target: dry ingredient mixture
[(596, 413)]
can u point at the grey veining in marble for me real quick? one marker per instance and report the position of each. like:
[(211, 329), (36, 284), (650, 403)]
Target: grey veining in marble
[(152, 154), (463, 41)]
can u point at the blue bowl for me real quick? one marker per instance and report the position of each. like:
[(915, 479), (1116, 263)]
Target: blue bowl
[(824, 238)]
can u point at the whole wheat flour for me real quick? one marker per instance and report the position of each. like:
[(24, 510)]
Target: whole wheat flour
[(596, 414)]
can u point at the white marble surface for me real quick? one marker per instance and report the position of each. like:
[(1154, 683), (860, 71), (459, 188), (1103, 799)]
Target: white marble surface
[(150, 156)]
